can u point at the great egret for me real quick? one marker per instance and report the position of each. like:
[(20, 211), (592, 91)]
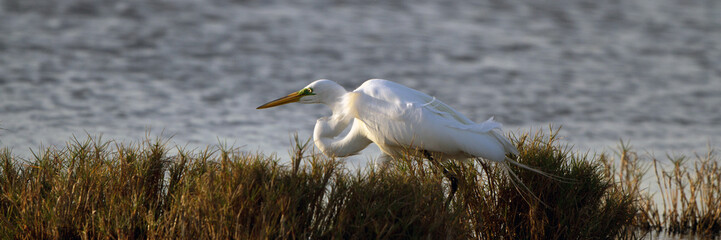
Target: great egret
[(397, 118)]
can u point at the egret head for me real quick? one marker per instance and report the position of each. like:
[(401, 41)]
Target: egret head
[(319, 91)]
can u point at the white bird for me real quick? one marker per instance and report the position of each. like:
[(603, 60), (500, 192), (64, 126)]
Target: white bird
[(397, 118)]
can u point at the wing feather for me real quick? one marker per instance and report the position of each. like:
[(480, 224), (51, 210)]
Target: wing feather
[(404, 102), (394, 115)]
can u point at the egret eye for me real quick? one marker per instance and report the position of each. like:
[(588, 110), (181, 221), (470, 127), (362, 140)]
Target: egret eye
[(306, 91)]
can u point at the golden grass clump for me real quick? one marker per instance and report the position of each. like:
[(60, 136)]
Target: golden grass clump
[(683, 199), (95, 189), (578, 203), (691, 195), (98, 189)]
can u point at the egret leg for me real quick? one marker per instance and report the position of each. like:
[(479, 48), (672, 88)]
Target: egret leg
[(452, 178)]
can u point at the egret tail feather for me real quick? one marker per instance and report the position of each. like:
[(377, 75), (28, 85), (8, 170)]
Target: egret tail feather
[(523, 189), (542, 173)]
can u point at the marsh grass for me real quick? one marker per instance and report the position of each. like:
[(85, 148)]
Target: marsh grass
[(104, 189), (687, 198), (95, 189), (580, 203)]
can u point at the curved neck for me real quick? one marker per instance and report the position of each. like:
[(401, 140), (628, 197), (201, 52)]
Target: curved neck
[(327, 129), (339, 104), (324, 134), (324, 138)]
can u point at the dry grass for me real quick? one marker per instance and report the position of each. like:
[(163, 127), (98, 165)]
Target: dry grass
[(97, 189), (100, 189), (688, 193), (582, 204)]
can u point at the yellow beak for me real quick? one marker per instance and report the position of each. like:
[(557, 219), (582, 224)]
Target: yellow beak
[(291, 98)]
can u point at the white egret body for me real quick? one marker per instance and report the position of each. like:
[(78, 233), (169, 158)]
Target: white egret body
[(396, 118)]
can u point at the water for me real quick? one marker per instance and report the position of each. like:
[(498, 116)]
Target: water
[(643, 71)]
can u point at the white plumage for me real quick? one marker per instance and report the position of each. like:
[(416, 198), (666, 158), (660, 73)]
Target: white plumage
[(396, 118)]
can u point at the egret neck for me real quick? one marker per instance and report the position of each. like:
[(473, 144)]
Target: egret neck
[(328, 128)]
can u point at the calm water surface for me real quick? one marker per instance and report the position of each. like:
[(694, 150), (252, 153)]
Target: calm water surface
[(643, 71)]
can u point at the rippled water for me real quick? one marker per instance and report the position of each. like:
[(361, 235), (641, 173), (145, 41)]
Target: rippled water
[(644, 71)]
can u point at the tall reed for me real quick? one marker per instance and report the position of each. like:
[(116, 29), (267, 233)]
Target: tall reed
[(683, 199)]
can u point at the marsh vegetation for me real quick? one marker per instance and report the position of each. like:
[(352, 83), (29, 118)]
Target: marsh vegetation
[(106, 189)]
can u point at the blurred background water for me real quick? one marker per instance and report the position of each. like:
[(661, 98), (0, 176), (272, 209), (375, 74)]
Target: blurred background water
[(646, 71)]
